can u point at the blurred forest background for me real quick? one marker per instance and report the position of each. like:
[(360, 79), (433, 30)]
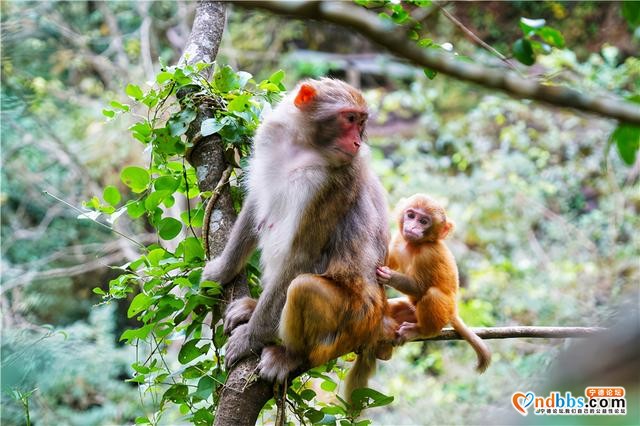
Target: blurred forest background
[(547, 215)]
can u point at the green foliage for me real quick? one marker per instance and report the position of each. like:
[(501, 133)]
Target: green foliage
[(23, 398), (538, 39), (77, 373), (631, 12), (308, 407), (626, 137)]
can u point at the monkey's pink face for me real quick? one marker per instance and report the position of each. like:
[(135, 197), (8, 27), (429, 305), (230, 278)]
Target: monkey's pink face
[(415, 224), (352, 125)]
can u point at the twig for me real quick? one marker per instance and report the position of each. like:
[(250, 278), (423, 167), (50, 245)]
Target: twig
[(142, 246), (224, 179), (478, 40)]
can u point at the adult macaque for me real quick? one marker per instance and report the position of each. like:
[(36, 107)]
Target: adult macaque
[(421, 266), (318, 215)]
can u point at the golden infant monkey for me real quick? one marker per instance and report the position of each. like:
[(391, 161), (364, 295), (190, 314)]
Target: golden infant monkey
[(421, 266)]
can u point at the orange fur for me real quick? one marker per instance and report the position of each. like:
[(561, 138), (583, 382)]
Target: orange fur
[(428, 274)]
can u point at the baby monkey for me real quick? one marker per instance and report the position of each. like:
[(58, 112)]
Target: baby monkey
[(421, 266)]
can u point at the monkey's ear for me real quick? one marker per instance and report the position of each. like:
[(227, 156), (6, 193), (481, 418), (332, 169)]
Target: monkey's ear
[(447, 229), (306, 95)]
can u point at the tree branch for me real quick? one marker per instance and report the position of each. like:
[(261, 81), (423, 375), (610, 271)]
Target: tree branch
[(387, 35)]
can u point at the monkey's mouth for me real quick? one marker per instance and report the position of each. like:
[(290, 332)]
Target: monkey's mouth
[(348, 154), (413, 235)]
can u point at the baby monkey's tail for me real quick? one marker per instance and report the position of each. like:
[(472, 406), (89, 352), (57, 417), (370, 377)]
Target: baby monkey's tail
[(483, 352)]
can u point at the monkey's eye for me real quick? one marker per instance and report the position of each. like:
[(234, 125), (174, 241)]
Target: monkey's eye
[(424, 221), (411, 215), (351, 117)]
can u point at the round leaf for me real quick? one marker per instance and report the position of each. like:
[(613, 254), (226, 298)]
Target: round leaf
[(111, 195), (523, 51), (627, 140), (134, 92), (135, 178), (169, 228)]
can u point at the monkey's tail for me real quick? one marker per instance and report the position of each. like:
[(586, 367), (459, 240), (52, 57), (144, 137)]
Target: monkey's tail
[(359, 374), (483, 352)]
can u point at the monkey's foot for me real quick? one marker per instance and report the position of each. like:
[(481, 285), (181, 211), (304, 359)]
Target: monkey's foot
[(239, 346), (276, 364), (238, 312), (407, 331)]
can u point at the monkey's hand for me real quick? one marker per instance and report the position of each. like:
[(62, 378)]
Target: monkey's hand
[(238, 312), (240, 345), (218, 270), (384, 274), (276, 363)]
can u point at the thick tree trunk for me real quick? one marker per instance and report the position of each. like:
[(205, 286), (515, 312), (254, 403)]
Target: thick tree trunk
[(240, 402)]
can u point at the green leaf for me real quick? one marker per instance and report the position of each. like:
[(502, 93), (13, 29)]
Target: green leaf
[(138, 304), (552, 37), (329, 386), (135, 209), (108, 113), (425, 42), (202, 417), (99, 291), (213, 288), (155, 256), (240, 103), (276, 77), (136, 333), (118, 105), (169, 228), (176, 393), (111, 195), (210, 126), (166, 183), (333, 409), (142, 421), (365, 397), (134, 92), (631, 12), (523, 51), (528, 26), (154, 199), (181, 78), (206, 385), (225, 79), (627, 140), (179, 123), (314, 415), (191, 249), (163, 76), (135, 178), (307, 394), (431, 74), (143, 129), (190, 351), (197, 217)]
